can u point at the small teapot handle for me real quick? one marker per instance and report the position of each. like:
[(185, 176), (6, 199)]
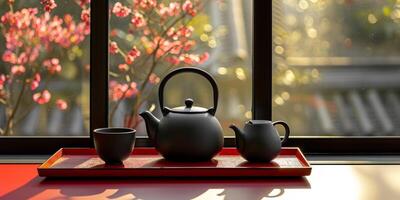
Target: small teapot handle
[(203, 73), (287, 130)]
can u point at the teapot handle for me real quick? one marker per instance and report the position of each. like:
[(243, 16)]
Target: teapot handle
[(287, 130), (203, 73)]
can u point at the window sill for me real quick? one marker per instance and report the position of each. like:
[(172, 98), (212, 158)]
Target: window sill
[(354, 159)]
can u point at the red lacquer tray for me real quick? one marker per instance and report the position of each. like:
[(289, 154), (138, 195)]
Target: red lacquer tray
[(146, 162)]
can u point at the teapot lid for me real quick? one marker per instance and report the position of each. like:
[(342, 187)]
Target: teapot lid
[(188, 108)]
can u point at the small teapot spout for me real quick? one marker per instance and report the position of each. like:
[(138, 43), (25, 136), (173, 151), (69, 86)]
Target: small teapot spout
[(151, 124), (239, 136)]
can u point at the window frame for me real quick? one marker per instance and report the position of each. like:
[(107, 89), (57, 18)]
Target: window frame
[(261, 98)]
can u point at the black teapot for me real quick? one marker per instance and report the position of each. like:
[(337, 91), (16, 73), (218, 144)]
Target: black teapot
[(186, 133), (259, 141)]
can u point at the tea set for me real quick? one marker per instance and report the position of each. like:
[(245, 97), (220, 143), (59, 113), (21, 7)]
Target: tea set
[(190, 133)]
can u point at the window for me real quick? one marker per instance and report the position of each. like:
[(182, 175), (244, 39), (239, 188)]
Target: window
[(147, 40), (336, 66), (235, 34), (44, 68)]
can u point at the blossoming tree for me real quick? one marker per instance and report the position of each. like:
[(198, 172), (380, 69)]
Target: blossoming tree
[(29, 35), (156, 36), (153, 37)]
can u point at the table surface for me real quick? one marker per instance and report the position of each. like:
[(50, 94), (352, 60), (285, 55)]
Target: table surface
[(20, 181)]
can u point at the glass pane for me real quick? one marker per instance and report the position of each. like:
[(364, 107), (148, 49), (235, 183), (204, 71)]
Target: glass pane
[(44, 67), (336, 66), (150, 38)]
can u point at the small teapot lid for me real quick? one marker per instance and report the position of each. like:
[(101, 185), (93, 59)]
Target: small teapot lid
[(188, 108)]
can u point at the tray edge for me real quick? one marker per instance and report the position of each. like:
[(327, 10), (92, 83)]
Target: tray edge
[(44, 167)]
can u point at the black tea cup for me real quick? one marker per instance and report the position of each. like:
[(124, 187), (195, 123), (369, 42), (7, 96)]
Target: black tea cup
[(114, 145)]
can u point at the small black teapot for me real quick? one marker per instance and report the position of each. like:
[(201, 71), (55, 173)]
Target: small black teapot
[(259, 141), (186, 133)]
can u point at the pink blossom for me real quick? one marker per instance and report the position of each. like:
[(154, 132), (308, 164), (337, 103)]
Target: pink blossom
[(83, 3), (132, 90), (18, 70), (85, 15), (185, 31), (172, 33), (187, 6), (34, 54), (61, 104), (167, 47), (145, 4), (113, 32), (123, 67), (120, 11), (154, 79), (113, 48), (22, 58), (10, 57), (189, 45), (182, 33), (119, 91), (134, 52), (174, 47), (42, 97), (132, 55), (162, 10), (34, 85), (173, 60), (52, 65), (37, 77), (49, 5), (129, 59), (35, 81), (204, 57), (138, 20), (190, 59), (174, 9), (3, 80)]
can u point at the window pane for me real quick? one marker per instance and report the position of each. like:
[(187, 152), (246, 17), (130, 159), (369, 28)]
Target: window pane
[(44, 68), (147, 40), (336, 66)]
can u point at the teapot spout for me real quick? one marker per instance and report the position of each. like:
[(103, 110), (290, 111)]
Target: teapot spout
[(239, 135), (151, 124)]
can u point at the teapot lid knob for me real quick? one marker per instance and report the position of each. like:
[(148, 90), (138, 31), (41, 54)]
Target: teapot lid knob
[(189, 103)]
